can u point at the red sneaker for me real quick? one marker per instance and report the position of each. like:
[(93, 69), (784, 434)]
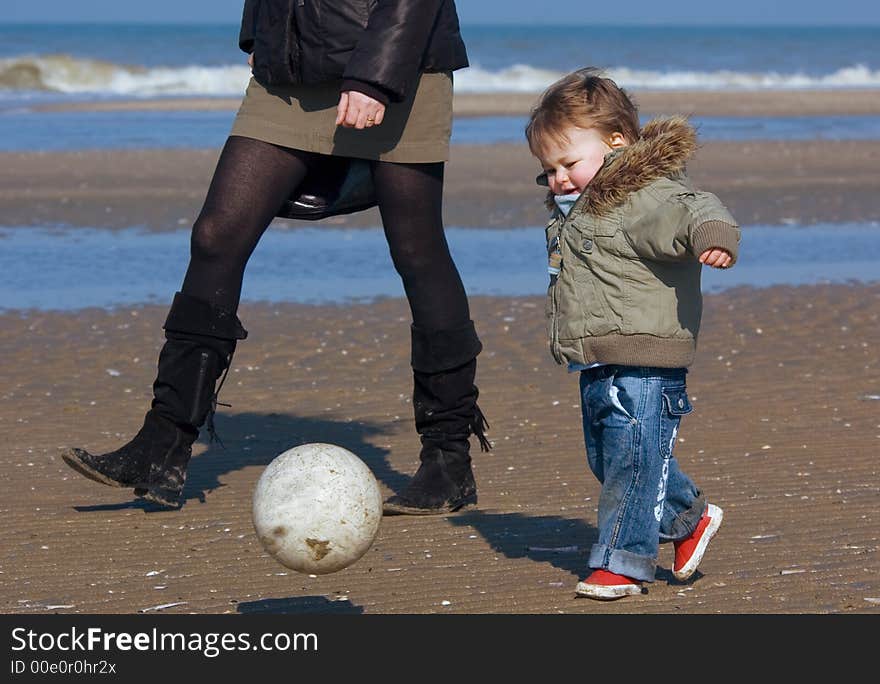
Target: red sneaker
[(689, 551), (606, 586)]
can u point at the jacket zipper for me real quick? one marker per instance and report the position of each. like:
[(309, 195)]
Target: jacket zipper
[(294, 51), (554, 335)]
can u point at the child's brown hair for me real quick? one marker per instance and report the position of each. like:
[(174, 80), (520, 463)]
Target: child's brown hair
[(583, 99)]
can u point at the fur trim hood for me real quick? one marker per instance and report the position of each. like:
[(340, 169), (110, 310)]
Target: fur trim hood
[(662, 150)]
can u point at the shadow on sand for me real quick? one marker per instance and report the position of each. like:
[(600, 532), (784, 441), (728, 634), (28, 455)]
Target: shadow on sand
[(299, 605), (562, 542), (249, 439)]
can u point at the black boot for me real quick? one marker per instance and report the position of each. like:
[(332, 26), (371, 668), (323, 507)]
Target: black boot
[(129, 466), (446, 414), (200, 342)]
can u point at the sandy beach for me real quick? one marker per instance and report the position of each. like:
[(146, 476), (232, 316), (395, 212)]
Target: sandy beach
[(766, 182), (772, 183), (784, 436)]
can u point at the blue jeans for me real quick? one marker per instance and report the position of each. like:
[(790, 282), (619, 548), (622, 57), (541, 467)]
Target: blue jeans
[(631, 417)]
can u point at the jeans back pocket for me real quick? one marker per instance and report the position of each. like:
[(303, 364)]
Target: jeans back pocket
[(675, 405), (676, 401)]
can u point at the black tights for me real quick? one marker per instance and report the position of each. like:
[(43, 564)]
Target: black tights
[(252, 180)]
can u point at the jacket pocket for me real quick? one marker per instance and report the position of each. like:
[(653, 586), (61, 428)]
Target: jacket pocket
[(590, 314), (606, 226), (675, 405)]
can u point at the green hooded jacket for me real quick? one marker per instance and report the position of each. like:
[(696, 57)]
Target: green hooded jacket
[(628, 289)]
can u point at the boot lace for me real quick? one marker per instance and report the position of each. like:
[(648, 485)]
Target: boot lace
[(479, 425), (215, 402)]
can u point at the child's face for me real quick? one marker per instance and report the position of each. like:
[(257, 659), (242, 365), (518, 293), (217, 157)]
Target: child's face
[(571, 165)]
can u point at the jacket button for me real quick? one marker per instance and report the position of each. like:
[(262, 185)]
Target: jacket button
[(588, 244), (680, 403)]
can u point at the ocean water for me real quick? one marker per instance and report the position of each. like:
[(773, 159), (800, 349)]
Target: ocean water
[(70, 269), (22, 131), (51, 62), (76, 268), (43, 64)]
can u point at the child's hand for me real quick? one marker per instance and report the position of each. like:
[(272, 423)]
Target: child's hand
[(716, 258)]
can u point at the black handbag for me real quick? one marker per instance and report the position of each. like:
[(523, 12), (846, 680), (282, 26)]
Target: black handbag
[(333, 186)]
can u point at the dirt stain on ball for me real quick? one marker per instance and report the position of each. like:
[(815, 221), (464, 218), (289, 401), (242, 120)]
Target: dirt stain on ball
[(318, 548)]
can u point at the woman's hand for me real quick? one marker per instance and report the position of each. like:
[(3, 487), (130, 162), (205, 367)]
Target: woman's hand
[(717, 258), (356, 110)]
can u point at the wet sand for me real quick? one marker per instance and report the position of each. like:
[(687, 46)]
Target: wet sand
[(794, 182), (784, 435), (801, 182)]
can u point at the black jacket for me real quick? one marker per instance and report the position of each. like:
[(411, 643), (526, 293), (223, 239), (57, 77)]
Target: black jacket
[(384, 44)]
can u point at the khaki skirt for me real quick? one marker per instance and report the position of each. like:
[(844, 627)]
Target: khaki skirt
[(304, 118)]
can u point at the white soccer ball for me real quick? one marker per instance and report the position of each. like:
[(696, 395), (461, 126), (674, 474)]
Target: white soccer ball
[(317, 508)]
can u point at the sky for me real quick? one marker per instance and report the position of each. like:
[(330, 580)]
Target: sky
[(775, 12)]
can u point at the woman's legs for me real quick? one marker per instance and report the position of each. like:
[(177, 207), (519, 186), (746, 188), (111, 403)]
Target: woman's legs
[(444, 342), (252, 180), (410, 198), (250, 183)]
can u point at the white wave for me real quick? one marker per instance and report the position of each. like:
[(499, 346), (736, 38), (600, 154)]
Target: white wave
[(70, 75), (857, 75), (522, 78), (63, 74)]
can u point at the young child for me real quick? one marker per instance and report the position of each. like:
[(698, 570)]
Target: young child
[(626, 242)]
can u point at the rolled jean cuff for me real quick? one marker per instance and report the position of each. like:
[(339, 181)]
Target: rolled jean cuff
[(621, 562), (684, 524)]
